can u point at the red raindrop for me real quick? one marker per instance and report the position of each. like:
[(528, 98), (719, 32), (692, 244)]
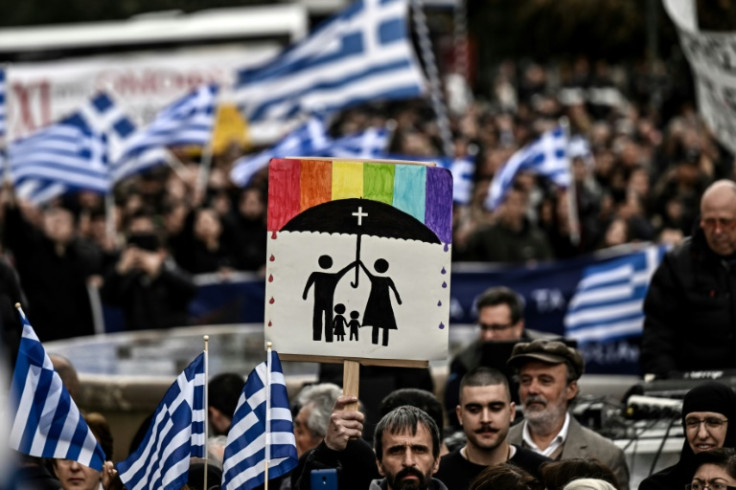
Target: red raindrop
[(271, 301)]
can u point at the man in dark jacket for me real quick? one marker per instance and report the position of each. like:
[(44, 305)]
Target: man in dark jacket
[(500, 320), (690, 308), (512, 238), (407, 450), (55, 269), (146, 284)]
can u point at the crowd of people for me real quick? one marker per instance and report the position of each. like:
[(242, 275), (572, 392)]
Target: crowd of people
[(412, 447), (639, 175)]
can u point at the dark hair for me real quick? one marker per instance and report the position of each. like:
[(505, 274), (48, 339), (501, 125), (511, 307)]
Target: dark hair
[(422, 399), (502, 296), (485, 376), (724, 458), (224, 392), (505, 477), (97, 423), (405, 418), (557, 474)]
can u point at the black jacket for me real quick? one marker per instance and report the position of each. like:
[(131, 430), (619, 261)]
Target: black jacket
[(150, 303), (55, 284), (356, 465), (690, 311)]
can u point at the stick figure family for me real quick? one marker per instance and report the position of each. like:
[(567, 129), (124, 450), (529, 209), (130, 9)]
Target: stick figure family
[(330, 318)]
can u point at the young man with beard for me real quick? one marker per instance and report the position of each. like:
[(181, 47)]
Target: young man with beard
[(485, 413), (407, 444), (548, 373)]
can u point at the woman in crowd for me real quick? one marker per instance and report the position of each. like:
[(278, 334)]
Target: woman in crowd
[(709, 423), (75, 476), (716, 469), (557, 474), (505, 477)]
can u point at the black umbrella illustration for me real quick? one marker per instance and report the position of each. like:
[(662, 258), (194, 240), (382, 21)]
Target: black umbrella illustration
[(358, 217), (361, 217)]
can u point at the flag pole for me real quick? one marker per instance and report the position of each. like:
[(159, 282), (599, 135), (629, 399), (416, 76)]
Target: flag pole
[(269, 345), (572, 200), (206, 401), (435, 87), (205, 163)]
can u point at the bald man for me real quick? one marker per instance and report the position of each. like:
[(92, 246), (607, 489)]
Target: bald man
[(690, 308)]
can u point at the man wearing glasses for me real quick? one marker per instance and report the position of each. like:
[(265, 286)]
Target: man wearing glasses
[(707, 412), (500, 320), (690, 308)]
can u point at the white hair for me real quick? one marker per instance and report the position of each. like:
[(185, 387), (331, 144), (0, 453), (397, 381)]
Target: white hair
[(589, 484)]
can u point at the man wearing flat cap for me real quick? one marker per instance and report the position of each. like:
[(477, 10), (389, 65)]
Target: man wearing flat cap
[(548, 373)]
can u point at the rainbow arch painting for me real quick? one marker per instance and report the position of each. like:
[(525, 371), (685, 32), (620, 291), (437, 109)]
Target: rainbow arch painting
[(421, 191), (359, 256)]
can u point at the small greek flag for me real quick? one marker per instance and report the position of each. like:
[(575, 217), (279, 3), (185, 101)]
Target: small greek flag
[(176, 433), (47, 422), (188, 121), (262, 431), (546, 156), (72, 154), (310, 139)]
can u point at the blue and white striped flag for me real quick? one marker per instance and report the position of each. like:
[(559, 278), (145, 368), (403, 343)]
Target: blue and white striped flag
[(362, 54), (371, 143), (546, 156), (310, 139), (176, 433), (47, 421), (72, 154), (250, 445), (609, 299), (188, 121)]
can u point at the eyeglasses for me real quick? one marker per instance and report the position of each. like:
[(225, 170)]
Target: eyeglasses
[(712, 485), (710, 422), (495, 327), (725, 223)]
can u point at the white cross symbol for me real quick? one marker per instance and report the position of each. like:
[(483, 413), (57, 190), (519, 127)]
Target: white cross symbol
[(360, 215)]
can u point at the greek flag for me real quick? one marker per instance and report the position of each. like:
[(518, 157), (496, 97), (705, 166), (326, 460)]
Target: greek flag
[(310, 139), (176, 433), (262, 430), (547, 156), (47, 421), (608, 301), (362, 54), (72, 154), (188, 121), (371, 143)]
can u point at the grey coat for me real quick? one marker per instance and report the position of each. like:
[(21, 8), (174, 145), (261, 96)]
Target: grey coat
[(584, 443)]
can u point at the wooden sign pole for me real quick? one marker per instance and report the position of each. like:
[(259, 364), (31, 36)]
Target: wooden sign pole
[(351, 381), (351, 369)]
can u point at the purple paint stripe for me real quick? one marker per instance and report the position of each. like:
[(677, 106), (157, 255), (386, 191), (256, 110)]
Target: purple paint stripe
[(438, 209)]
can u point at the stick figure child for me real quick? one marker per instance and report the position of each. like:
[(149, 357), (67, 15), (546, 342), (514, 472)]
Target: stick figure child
[(354, 324), (339, 323)]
